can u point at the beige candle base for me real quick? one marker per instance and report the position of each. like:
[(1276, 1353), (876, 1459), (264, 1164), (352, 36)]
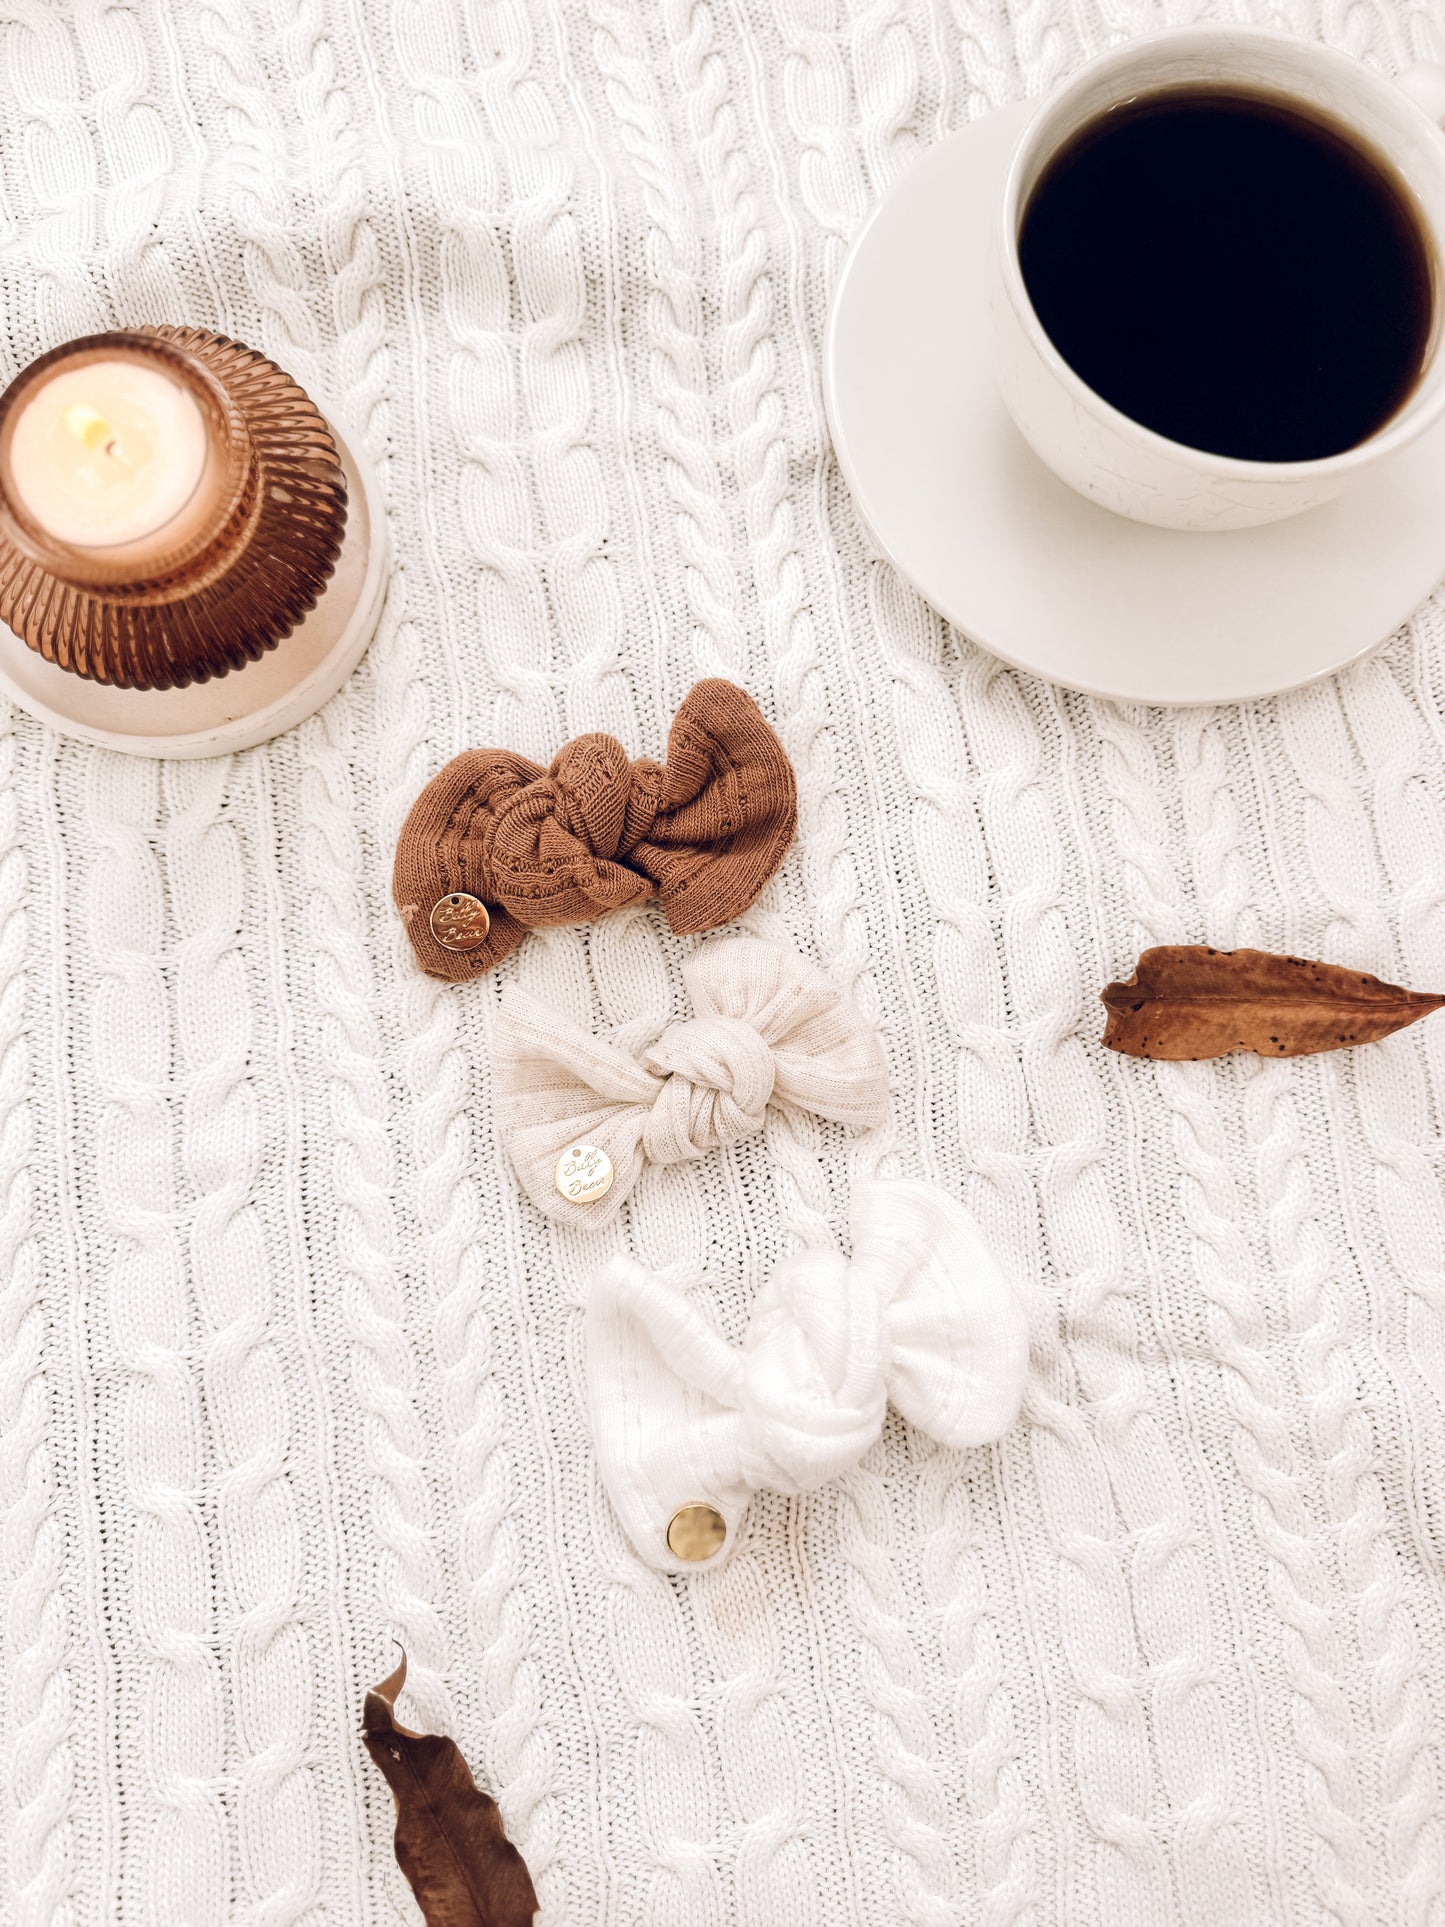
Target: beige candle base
[(251, 704)]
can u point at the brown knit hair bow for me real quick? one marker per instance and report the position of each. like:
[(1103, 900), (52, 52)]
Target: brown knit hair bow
[(495, 845)]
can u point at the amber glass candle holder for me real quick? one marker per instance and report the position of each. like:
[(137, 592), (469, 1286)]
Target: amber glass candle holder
[(230, 574)]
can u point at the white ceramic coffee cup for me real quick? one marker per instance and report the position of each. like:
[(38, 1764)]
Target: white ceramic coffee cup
[(1107, 456)]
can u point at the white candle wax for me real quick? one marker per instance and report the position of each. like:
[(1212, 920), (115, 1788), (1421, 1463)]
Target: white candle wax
[(108, 454)]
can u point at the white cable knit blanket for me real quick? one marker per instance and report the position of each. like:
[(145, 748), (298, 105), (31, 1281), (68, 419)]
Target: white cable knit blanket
[(291, 1370)]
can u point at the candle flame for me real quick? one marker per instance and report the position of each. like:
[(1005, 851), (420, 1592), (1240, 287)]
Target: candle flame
[(88, 427)]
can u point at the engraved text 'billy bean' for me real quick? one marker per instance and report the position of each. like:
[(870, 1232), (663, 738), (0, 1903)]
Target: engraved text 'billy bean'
[(584, 1172), (460, 922)]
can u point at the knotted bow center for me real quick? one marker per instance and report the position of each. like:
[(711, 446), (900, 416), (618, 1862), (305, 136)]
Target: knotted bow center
[(564, 837), (719, 1075)]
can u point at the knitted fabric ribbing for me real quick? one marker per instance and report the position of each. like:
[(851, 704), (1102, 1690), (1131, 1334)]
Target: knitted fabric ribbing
[(290, 1367)]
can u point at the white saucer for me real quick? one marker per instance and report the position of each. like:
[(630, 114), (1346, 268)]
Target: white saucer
[(304, 670), (1033, 572)]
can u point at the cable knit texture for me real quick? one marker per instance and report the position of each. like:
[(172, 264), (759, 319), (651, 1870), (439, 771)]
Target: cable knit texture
[(920, 1316), (292, 1369), (765, 1027), (594, 832)]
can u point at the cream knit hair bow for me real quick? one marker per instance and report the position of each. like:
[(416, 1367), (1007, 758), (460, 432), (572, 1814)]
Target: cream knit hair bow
[(687, 1426), (767, 1028)]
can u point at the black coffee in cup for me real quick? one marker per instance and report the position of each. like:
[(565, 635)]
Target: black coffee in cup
[(1232, 271)]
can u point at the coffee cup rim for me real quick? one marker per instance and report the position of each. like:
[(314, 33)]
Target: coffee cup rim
[(1401, 429)]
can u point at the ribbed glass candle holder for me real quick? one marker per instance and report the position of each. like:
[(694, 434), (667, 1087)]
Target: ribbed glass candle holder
[(222, 580)]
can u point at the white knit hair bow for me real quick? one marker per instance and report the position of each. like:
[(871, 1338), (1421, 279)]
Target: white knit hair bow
[(920, 1315), (767, 1028)]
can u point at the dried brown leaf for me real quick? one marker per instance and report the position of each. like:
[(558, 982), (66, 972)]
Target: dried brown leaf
[(1185, 1001), (450, 1844)]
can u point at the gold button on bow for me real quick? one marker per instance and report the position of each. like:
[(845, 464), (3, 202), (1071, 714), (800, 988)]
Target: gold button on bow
[(696, 1532), (460, 922), (584, 1172)]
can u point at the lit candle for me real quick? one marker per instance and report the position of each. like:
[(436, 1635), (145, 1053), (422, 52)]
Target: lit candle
[(171, 506), (109, 453)]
